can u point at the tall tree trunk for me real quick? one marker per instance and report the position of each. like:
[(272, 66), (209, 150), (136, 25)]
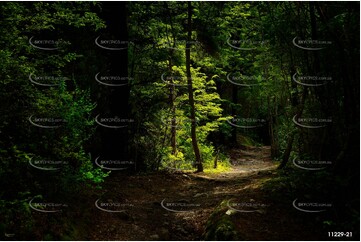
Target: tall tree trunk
[(234, 114), (272, 114), (115, 101), (172, 90), (190, 92), (172, 108)]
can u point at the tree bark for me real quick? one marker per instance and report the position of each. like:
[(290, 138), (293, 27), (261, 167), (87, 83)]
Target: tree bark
[(197, 154), (173, 109), (272, 113), (114, 143), (234, 114), (172, 91), (287, 153)]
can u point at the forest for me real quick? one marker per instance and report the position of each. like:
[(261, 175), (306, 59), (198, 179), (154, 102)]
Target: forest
[(180, 120)]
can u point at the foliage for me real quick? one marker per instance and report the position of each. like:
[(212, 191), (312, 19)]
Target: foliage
[(64, 104), (245, 70)]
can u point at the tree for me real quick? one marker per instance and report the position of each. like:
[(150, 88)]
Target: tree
[(190, 91), (45, 111)]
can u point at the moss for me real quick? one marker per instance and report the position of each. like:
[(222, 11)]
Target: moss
[(219, 225), (246, 141), (221, 167)]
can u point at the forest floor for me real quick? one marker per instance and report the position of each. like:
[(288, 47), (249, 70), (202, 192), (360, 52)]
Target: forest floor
[(149, 207)]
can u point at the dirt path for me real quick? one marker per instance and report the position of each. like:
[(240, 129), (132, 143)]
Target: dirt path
[(166, 206)]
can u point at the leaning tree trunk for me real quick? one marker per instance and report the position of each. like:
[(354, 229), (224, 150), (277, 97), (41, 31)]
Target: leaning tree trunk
[(190, 92), (287, 153)]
